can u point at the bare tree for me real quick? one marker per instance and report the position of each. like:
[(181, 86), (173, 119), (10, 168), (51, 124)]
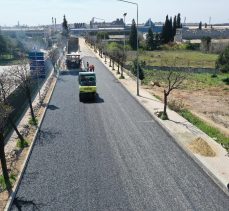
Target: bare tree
[(4, 113), (174, 81), (23, 78), (110, 60), (105, 54), (6, 85), (53, 56), (122, 61)]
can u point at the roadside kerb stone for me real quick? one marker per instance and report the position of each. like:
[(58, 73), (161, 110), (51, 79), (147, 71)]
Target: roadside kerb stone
[(182, 132)]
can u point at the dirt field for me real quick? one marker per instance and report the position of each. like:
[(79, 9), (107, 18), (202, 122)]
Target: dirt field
[(210, 104)]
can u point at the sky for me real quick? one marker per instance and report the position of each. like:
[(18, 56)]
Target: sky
[(40, 12)]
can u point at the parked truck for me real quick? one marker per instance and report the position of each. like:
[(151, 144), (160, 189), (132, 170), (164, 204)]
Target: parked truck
[(73, 59)]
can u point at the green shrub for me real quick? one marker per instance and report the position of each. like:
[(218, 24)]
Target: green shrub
[(222, 62), (141, 71), (214, 76), (31, 122), (192, 46), (2, 181), (22, 144), (226, 80)]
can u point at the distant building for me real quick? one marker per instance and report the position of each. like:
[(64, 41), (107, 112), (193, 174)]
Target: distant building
[(144, 28), (118, 23), (178, 36), (114, 26)]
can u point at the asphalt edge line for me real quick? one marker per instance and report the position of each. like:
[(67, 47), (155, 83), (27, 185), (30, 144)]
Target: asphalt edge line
[(179, 144), (25, 163)]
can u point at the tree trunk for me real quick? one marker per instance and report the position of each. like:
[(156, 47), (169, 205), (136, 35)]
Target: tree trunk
[(14, 125), (4, 165), (165, 103), (105, 58), (118, 72), (121, 70), (110, 62), (30, 105), (54, 69), (113, 64), (16, 130)]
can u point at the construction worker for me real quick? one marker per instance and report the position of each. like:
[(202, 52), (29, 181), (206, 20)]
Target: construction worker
[(92, 68), (87, 66)]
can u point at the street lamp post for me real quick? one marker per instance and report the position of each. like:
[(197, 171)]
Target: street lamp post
[(124, 41), (130, 2), (104, 32)]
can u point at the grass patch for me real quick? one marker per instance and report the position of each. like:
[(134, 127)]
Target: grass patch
[(194, 81), (183, 58), (2, 181), (8, 59), (33, 123), (21, 144), (209, 130)]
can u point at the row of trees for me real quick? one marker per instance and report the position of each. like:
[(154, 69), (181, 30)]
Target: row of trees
[(114, 51), (205, 25), (11, 47), (169, 28), (116, 54), (17, 76), (222, 62), (79, 25), (153, 41)]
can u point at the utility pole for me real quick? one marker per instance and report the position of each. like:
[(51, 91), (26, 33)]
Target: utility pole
[(124, 41), (136, 4)]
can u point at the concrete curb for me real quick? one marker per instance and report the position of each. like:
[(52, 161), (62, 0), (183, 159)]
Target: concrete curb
[(25, 163), (179, 144)]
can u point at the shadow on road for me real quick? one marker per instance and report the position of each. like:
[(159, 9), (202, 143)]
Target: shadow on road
[(97, 99), (53, 107), (74, 72), (23, 204)]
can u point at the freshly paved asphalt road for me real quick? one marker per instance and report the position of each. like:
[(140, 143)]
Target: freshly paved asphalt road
[(110, 155)]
